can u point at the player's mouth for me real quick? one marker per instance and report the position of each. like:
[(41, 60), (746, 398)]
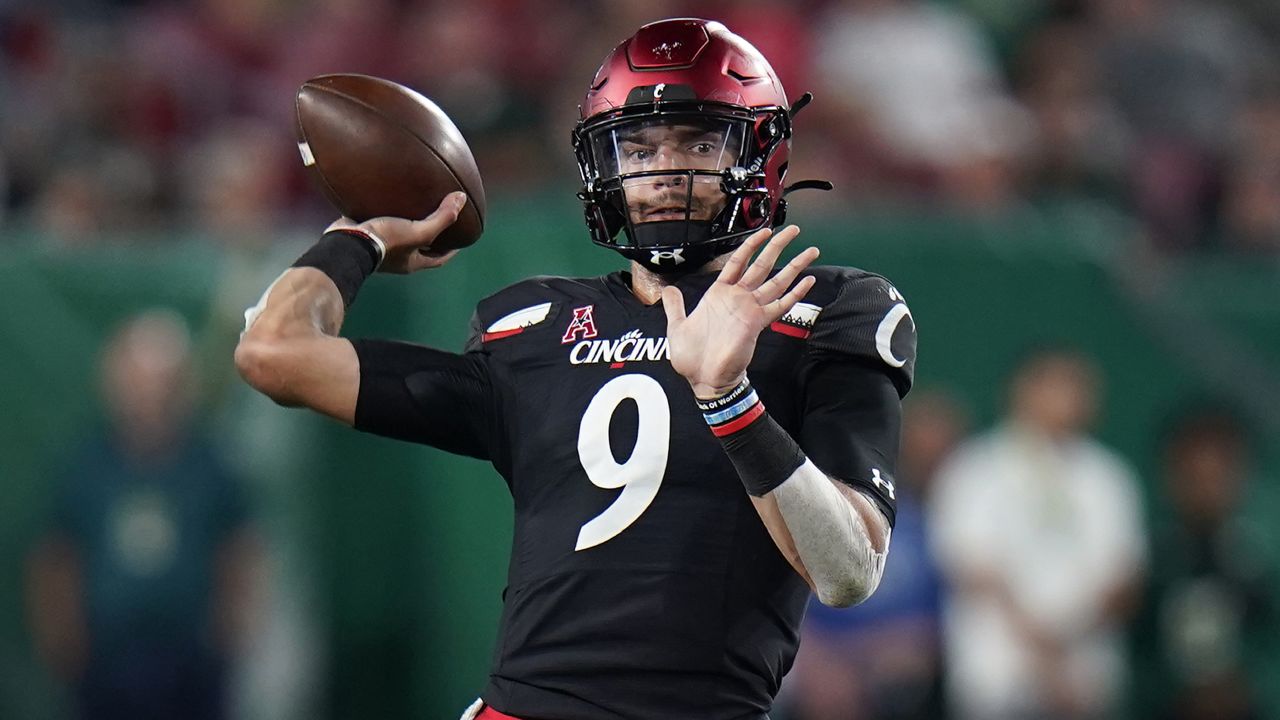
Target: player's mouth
[(666, 213)]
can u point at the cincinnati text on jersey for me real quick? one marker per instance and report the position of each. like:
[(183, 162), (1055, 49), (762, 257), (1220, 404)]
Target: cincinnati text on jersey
[(631, 347)]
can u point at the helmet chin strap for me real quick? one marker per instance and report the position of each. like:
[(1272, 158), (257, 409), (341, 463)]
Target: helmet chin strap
[(672, 257), (678, 262), (671, 247)]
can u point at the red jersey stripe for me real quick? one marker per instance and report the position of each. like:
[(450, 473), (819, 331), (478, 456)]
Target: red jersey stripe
[(792, 330), (489, 713), (500, 334)]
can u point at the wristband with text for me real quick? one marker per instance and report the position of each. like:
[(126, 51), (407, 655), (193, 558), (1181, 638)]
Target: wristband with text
[(762, 452)]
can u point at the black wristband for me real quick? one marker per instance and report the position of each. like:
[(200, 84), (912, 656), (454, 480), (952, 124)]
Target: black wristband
[(347, 258), (764, 454)]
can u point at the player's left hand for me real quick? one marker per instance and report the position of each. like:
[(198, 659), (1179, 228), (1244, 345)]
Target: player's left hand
[(712, 346)]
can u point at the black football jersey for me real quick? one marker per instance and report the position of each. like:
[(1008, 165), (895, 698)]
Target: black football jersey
[(642, 582)]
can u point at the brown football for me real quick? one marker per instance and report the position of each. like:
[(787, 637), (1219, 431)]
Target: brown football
[(378, 148)]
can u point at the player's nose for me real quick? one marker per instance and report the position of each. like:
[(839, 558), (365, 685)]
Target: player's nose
[(667, 158)]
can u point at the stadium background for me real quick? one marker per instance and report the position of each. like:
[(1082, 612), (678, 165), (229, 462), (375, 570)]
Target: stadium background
[(1110, 177)]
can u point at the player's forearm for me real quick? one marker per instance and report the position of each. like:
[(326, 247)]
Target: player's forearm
[(825, 532), (303, 301), (301, 305), (313, 295), (289, 350), (837, 533)]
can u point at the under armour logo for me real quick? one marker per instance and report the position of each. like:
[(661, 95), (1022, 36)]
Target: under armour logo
[(667, 50), (882, 482), (660, 256)]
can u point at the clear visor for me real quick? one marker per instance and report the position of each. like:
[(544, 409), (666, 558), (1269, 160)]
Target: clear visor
[(669, 167)]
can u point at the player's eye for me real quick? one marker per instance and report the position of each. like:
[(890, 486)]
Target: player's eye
[(703, 148), (636, 153)]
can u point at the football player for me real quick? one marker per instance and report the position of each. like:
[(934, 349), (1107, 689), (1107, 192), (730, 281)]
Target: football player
[(691, 449)]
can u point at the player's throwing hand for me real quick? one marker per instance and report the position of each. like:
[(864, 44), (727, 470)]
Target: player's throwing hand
[(712, 346), (405, 245)]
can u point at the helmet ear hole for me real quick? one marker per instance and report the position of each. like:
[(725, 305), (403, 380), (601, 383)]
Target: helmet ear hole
[(780, 214)]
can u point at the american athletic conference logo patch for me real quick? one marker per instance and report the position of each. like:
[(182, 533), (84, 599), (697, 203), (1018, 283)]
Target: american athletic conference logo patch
[(582, 324)]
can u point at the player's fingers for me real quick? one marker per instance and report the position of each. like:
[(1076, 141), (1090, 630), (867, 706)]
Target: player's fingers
[(673, 304), (429, 228), (425, 259), (778, 284), (759, 269), (783, 305), (732, 270), (342, 223)]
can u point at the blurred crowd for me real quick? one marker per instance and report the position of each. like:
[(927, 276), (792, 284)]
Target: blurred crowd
[(1029, 578), (122, 115), (1024, 582)]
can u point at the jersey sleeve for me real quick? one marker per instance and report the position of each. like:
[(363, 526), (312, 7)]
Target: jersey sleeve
[(867, 321), (859, 363), (850, 428), (423, 395)]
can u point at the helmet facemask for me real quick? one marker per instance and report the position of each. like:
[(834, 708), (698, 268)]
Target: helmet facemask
[(674, 185)]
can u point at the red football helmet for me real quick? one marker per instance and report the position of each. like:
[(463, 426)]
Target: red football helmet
[(683, 143)]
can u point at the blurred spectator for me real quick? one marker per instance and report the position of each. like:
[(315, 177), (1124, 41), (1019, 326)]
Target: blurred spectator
[(782, 31), (104, 190), (1008, 22), (141, 594), (338, 36), (1130, 102), (1207, 630), (475, 60), (1039, 530), (1082, 142), (923, 82), (1249, 215), (234, 183), (1179, 72), (883, 659), (199, 63)]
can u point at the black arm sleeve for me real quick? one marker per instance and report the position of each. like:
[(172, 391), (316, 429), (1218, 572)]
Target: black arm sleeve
[(852, 420), (416, 393)]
